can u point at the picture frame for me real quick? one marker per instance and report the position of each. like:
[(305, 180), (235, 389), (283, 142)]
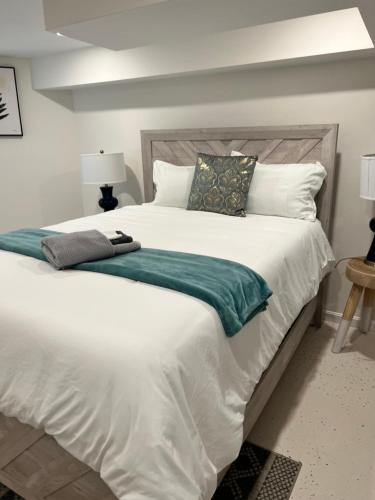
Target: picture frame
[(10, 116)]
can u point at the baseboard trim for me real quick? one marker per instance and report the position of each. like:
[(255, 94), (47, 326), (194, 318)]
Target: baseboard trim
[(335, 317)]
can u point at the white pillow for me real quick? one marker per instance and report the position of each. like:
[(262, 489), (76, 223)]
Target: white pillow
[(286, 190), (173, 184)]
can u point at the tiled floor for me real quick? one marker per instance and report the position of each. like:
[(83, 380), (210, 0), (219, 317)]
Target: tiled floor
[(323, 414)]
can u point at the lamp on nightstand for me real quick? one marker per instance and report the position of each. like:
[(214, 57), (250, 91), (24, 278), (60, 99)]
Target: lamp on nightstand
[(104, 169), (368, 193)]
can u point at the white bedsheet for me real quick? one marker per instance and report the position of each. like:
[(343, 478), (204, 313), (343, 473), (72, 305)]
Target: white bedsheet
[(137, 381)]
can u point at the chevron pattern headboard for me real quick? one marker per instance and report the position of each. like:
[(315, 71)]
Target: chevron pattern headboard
[(292, 144)]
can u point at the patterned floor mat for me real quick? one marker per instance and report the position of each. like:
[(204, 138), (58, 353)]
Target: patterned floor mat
[(259, 474)]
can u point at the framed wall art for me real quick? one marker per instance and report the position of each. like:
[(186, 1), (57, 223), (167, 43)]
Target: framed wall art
[(10, 117)]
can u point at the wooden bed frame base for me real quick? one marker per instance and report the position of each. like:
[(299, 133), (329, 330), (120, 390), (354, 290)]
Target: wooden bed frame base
[(274, 372), (32, 463)]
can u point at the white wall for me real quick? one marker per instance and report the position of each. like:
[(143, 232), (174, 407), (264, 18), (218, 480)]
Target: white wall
[(111, 118), (39, 173)]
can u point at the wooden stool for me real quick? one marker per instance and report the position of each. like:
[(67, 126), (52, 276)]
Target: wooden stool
[(362, 276)]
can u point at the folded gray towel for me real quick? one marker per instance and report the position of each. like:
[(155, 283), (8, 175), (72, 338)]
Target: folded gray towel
[(67, 250), (127, 247)]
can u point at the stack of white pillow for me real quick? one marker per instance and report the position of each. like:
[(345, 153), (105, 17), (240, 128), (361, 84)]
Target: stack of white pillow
[(285, 190)]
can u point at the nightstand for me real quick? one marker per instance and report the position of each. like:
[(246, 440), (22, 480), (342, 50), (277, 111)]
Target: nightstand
[(362, 276)]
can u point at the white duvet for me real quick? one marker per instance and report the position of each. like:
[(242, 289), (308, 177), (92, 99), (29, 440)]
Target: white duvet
[(137, 381)]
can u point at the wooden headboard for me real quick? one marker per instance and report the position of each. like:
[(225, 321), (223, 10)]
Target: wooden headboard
[(291, 144)]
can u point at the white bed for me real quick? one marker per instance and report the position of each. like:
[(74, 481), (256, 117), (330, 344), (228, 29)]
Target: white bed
[(140, 382)]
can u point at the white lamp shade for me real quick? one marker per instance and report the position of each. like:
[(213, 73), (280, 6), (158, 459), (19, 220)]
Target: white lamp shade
[(368, 177), (103, 168)]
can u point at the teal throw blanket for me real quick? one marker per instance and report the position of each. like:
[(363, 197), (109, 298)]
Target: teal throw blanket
[(235, 291)]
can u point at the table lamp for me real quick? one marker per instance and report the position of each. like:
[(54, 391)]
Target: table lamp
[(106, 169), (368, 193)]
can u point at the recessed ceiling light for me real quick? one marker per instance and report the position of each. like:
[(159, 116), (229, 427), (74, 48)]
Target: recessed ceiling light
[(59, 34)]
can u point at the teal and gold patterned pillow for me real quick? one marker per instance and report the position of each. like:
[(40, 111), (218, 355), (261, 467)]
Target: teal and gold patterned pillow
[(221, 184)]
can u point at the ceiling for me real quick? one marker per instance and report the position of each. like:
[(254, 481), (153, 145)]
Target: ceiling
[(22, 31), (325, 36), (120, 40), (126, 24)]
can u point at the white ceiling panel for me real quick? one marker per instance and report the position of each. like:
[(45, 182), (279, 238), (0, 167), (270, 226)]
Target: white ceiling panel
[(23, 34), (331, 34), (60, 13), (125, 24)]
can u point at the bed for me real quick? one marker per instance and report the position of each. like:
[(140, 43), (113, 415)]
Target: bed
[(39, 452)]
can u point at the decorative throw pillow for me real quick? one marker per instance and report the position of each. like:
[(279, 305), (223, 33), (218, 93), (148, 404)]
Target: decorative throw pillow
[(221, 184)]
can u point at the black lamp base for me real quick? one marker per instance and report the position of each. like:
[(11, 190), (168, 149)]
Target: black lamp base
[(108, 202), (370, 259)]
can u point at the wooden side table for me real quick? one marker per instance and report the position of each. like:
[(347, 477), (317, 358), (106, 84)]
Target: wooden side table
[(362, 276)]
